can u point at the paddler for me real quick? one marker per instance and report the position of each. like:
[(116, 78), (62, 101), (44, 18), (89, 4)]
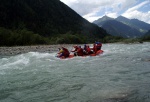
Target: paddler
[(78, 51), (63, 52), (66, 53), (75, 50), (94, 48), (88, 50), (98, 45)]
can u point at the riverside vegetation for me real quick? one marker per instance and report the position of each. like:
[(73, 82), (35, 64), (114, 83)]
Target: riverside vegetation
[(26, 22), (26, 37)]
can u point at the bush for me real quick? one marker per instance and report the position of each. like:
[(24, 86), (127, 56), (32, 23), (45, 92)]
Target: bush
[(111, 39), (20, 37), (132, 40), (68, 39), (145, 38)]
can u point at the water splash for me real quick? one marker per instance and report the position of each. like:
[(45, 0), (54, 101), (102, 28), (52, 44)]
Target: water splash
[(119, 74)]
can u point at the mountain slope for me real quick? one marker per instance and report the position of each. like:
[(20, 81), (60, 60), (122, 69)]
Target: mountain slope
[(147, 34), (141, 24), (46, 17), (102, 20), (123, 27), (137, 24), (116, 28)]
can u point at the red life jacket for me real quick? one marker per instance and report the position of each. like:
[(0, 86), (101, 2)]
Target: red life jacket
[(80, 52), (88, 50), (94, 48), (65, 52), (99, 46)]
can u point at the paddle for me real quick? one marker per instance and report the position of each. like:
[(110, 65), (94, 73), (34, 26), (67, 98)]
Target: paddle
[(56, 55), (71, 50)]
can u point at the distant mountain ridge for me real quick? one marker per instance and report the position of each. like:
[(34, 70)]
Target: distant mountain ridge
[(102, 20), (124, 27), (139, 25), (47, 18)]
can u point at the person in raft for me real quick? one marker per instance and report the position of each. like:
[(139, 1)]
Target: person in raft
[(60, 53), (75, 50), (94, 48), (85, 49), (63, 52), (88, 50), (98, 45), (78, 51)]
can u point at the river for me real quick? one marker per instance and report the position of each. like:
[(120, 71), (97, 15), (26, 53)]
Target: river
[(120, 74)]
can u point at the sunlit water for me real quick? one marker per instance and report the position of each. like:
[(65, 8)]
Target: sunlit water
[(120, 74)]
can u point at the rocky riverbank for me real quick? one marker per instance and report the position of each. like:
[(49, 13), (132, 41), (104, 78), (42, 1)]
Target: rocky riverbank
[(25, 49)]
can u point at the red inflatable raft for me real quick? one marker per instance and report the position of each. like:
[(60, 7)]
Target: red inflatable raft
[(94, 54)]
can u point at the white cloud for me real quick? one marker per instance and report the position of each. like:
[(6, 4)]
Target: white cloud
[(94, 9), (137, 6), (113, 15), (90, 17), (134, 13), (89, 5), (138, 15), (84, 7), (69, 2)]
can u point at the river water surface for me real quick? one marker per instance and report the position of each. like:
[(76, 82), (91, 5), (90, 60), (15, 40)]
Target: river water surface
[(120, 74)]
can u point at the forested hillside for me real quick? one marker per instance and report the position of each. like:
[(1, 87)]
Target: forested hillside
[(43, 22), (146, 36)]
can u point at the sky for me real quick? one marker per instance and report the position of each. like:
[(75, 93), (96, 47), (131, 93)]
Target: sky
[(95, 9)]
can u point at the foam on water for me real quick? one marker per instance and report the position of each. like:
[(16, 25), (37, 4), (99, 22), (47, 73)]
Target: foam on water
[(120, 74)]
